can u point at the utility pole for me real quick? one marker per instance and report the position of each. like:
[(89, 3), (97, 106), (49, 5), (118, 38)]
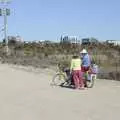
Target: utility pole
[(5, 12), (5, 31)]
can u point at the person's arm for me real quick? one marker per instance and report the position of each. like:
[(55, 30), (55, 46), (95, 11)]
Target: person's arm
[(71, 66), (82, 61)]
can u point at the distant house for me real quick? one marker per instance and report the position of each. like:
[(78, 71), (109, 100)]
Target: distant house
[(15, 39), (19, 39), (88, 41), (69, 39), (113, 42), (26, 42)]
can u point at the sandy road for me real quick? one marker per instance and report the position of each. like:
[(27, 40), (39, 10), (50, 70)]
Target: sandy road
[(28, 96)]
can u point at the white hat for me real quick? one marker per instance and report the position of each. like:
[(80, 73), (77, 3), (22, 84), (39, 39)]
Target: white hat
[(84, 51)]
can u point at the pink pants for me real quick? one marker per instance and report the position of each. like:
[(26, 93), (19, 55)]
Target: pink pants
[(77, 77)]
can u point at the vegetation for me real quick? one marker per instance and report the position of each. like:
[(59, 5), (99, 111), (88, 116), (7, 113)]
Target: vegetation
[(49, 54)]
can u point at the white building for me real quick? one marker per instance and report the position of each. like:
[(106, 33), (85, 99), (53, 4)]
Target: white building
[(19, 39), (69, 39), (16, 38), (113, 42)]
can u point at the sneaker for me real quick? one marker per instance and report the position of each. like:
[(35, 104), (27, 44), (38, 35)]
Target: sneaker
[(81, 88)]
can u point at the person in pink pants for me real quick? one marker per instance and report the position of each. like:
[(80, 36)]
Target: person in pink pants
[(76, 72)]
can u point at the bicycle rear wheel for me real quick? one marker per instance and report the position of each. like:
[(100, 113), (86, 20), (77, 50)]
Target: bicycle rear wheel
[(58, 79)]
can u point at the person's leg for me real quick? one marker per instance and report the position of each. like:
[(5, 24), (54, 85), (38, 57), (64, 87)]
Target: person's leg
[(83, 75), (76, 79), (81, 81), (88, 76)]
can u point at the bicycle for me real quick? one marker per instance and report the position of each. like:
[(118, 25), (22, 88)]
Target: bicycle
[(89, 83), (64, 78)]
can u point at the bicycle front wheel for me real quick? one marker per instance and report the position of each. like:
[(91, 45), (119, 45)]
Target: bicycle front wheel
[(58, 79), (90, 83)]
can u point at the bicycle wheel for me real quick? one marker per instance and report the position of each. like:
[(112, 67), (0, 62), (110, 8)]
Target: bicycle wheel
[(58, 79), (90, 83)]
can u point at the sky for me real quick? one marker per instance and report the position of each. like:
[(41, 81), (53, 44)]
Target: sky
[(49, 19)]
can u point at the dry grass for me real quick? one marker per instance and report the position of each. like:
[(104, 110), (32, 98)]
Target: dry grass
[(48, 55)]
